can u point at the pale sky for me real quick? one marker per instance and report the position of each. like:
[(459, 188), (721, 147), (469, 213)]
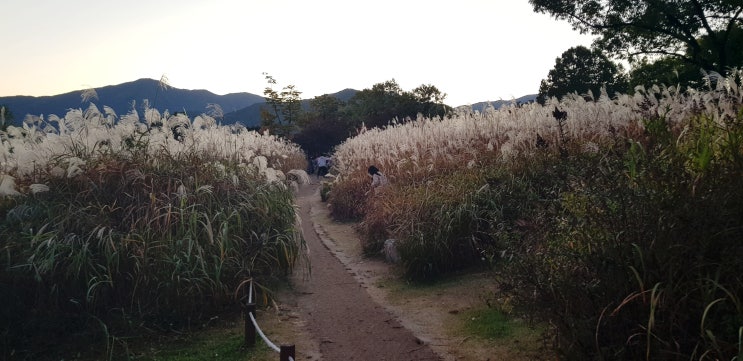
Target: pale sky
[(472, 50)]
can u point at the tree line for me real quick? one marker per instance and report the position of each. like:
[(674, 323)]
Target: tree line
[(329, 120), (668, 42)]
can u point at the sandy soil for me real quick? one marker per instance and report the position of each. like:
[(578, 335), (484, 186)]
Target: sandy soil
[(355, 308)]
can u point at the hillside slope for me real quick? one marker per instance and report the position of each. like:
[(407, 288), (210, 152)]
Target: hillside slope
[(123, 97)]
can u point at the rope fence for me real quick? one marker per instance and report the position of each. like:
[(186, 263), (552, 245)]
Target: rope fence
[(286, 352)]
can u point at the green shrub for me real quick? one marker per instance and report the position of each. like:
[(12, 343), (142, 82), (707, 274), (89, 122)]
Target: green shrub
[(437, 225), (639, 256)]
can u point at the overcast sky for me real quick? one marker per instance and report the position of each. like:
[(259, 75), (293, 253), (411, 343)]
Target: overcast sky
[(472, 50)]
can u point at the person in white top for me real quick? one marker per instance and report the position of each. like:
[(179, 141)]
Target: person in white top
[(323, 165), (378, 178)]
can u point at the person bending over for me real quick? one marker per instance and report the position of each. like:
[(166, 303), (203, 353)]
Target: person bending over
[(378, 178)]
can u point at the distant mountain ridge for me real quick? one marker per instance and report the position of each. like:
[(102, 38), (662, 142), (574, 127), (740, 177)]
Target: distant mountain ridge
[(237, 107), (481, 106), (122, 97)]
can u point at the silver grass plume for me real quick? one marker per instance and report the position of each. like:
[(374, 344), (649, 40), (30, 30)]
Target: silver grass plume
[(7, 186), (164, 82), (214, 110), (88, 94)]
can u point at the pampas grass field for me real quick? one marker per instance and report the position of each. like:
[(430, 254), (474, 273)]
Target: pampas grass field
[(617, 222), (117, 225)]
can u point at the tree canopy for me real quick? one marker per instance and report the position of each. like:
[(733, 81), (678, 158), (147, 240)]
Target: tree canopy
[(667, 71), (674, 71), (325, 121), (386, 101), (322, 126), (582, 70), (285, 108), (699, 32)]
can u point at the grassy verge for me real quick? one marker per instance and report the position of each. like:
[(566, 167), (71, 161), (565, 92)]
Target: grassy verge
[(219, 343), (468, 317)]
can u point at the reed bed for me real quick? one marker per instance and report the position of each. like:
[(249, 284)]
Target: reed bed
[(114, 226), (618, 222)]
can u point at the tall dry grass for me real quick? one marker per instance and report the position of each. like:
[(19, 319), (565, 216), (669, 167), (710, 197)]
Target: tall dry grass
[(112, 226), (615, 221)]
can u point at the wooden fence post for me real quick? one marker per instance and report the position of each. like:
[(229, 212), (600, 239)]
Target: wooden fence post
[(285, 352), (249, 309)]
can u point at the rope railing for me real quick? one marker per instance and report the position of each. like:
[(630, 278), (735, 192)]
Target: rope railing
[(286, 352)]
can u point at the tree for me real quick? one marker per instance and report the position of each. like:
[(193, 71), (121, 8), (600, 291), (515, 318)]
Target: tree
[(634, 29), (376, 106), (386, 101), (323, 107), (582, 70), (285, 108), (712, 51), (431, 100), (322, 126), (669, 70), (321, 136)]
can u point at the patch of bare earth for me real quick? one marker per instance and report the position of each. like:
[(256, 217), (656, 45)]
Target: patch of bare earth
[(434, 314)]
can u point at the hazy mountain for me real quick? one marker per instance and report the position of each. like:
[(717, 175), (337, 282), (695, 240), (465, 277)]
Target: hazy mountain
[(499, 103), (122, 97), (237, 107)]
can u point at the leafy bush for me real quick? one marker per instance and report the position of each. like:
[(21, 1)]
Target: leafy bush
[(436, 225), (639, 258)]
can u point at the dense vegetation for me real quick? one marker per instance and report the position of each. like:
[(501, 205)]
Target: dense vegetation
[(329, 121), (116, 227), (612, 211), (619, 222), (583, 71), (702, 34)]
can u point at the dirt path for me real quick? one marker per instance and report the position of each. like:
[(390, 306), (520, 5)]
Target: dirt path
[(337, 312), (355, 308)]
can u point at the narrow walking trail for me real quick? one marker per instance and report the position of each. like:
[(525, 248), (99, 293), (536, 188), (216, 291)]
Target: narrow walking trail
[(338, 312)]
